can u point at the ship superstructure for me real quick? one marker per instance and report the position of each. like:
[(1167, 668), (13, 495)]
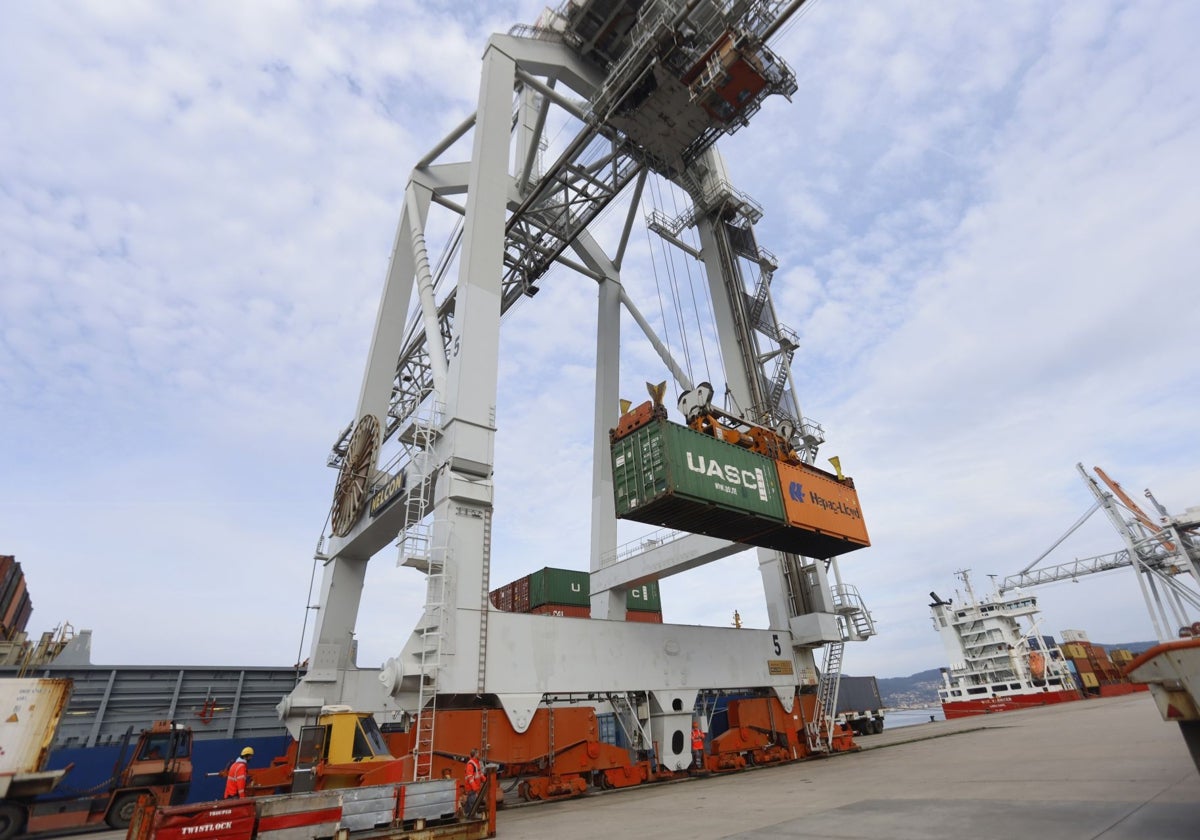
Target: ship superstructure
[(995, 664)]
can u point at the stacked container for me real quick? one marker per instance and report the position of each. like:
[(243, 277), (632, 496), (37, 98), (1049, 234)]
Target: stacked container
[(559, 592), (1120, 657), (15, 604), (1097, 673), (567, 592)]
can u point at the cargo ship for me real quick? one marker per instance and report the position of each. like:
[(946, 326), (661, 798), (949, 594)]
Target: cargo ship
[(226, 708), (995, 664)]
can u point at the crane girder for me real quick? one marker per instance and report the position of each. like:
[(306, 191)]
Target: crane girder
[(1068, 571), (565, 202)]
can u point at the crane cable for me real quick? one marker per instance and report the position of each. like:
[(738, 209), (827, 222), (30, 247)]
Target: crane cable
[(658, 291), (805, 9), (687, 265), (308, 604), (676, 298)]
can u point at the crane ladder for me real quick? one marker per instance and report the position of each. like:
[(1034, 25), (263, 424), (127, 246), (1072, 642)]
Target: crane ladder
[(416, 549), (827, 690)]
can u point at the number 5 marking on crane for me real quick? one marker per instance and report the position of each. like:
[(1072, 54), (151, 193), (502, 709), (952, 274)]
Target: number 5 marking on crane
[(775, 641)]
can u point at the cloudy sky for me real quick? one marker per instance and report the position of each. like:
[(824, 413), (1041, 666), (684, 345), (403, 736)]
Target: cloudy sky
[(985, 216)]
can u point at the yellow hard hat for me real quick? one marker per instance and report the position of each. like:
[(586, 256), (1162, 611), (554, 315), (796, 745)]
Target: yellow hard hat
[(248, 751)]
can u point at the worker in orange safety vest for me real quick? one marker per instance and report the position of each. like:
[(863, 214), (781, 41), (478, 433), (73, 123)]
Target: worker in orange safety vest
[(474, 780), (236, 776), (697, 745)]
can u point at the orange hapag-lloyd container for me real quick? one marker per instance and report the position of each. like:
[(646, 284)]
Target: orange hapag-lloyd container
[(825, 510)]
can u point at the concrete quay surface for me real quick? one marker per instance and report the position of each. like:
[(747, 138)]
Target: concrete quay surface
[(1108, 768), (1098, 769)]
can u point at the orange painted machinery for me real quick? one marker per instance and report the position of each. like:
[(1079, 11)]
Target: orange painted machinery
[(560, 755)]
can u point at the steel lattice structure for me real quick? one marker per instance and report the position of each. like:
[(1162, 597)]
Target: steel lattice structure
[(649, 86)]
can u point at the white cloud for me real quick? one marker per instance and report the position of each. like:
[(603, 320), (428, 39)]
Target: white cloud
[(984, 217)]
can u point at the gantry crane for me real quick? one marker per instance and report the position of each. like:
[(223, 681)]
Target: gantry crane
[(647, 87), (1164, 556)]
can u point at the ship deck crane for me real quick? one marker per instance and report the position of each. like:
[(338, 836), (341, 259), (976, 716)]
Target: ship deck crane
[(647, 87)]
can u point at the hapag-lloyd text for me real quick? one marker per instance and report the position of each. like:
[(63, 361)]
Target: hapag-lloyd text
[(796, 492)]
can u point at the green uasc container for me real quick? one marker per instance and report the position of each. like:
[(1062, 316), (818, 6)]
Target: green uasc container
[(666, 474), (643, 598), (559, 586), (573, 588)]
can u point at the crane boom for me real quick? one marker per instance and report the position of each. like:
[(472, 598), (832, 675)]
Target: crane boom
[(1132, 505), (1068, 571)]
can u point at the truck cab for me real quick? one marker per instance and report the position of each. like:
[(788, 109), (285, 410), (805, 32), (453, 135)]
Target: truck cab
[(159, 766)]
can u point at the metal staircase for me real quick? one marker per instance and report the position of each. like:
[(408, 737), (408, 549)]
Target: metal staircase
[(857, 624), (431, 634), (417, 551), (827, 694)]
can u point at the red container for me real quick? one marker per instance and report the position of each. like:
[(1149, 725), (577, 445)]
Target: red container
[(502, 598), (644, 617), (520, 595), (567, 610)]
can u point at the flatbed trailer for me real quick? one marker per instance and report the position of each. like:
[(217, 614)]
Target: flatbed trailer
[(425, 810)]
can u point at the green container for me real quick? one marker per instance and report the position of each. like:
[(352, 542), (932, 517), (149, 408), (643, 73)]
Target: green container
[(559, 586), (643, 598), (666, 474), (571, 588)]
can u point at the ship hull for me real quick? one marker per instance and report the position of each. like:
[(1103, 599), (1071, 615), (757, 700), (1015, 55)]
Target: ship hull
[(1006, 703), (227, 709)]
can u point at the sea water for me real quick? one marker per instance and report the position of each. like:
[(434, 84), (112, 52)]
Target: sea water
[(893, 718)]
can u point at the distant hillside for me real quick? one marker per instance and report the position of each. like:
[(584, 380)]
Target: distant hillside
[(920, 689)]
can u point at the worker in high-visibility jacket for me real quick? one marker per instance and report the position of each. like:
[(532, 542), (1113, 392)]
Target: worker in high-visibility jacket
[(474, 780), (697, 745), (236, 776)]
